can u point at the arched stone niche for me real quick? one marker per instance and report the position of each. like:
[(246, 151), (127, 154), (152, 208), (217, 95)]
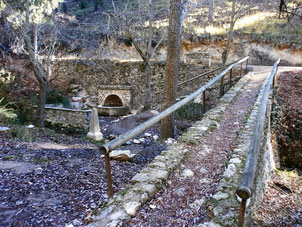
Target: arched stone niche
[(115, 95), (114, 100)]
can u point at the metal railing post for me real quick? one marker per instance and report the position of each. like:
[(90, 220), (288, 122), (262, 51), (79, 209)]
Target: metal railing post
[(231, 72), (241, 69), (241, 213), (203, 102), (247, 62), (108, 175)]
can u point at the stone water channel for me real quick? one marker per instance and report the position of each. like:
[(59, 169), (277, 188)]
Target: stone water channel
[(194, 181)]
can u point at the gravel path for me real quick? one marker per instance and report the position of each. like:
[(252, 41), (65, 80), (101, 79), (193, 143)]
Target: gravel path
[(183, 201)]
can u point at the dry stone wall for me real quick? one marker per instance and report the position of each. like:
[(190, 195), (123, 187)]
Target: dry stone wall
[(76, 118), (85, 78)]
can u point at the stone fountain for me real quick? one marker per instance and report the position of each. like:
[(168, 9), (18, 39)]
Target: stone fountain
[(114, 100)]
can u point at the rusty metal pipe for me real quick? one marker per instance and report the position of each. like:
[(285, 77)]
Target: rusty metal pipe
[(241, 213), (203, 102), (108, 175)]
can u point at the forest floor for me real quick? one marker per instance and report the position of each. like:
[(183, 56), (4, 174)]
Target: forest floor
[(52, 179), (282, 201)]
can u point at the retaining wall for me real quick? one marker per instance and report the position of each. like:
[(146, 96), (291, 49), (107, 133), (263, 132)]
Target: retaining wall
[(85, 78), (76, 118)]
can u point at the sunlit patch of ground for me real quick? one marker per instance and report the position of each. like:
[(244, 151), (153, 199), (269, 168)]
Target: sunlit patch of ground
[(282, 203)]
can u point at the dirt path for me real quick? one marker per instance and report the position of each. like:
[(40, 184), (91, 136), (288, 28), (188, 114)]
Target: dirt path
[(183, 202)]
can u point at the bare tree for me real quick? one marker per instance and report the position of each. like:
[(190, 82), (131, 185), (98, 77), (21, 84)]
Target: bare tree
[(239, 7), (211, 10), (147, 53), (32, 13), (177, 13), (292, 11)]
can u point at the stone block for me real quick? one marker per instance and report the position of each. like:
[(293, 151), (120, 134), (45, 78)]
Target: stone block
[(94, 127), (140, 177), (132, 207), (121, 155)]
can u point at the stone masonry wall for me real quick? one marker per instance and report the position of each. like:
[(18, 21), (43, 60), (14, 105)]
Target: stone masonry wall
[(89, 75), (123, 92), (77, 118)]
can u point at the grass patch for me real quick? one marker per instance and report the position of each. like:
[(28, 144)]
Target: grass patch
[(9, 158), (6, 114), (42, 160), (21, 133)]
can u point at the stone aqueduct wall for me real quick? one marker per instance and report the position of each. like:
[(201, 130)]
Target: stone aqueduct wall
[(88, 76)]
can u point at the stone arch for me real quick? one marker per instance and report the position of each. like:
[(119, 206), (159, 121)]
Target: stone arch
[(113, 100)]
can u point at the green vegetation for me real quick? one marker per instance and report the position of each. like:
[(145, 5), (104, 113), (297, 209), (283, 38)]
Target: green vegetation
[(14, 108), (9, 158), (6, 114), (55, 96), (83, 8), (42, 160), (191, 111), (21, 133), (66, 129)]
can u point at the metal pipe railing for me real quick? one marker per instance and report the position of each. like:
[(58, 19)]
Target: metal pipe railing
[(207, 73), (244, 190), (108, 147)]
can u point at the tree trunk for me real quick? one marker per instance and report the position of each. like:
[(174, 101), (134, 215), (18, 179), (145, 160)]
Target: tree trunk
[(177, 11), (148, 93), (64, 7), (211, 10), (226, 52), (96, 5), (147, 58), (38, 70), (35, 35), (40, 115)]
